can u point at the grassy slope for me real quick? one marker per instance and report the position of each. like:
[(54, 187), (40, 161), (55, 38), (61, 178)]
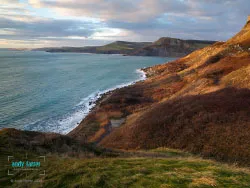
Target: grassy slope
[(199, 103), (167, 46), (156, 168), (118, 47)]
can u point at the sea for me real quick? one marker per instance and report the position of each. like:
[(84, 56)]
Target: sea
[(53, 92)]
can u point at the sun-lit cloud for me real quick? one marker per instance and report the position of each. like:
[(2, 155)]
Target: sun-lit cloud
[(85, 22), (50, 28), (129, 10), (36, 3)]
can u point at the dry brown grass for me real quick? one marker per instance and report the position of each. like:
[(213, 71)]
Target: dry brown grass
[(207, 181), (185, 104), (215, 125)]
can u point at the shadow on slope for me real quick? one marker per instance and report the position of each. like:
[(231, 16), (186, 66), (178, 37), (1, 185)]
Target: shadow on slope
[(215, 124)]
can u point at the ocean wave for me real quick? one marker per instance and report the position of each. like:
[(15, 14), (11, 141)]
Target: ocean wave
[(64, 124)]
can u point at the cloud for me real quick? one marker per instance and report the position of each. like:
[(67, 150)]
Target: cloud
[(129, 10), (142, 10), (36, 3), (46, 28), (131, 14), (133, 20)]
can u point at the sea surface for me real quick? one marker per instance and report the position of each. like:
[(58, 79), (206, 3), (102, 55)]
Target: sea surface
[(53, 92)]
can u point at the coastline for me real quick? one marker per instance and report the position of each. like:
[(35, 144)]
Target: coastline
[(64, 121), (94, 99)]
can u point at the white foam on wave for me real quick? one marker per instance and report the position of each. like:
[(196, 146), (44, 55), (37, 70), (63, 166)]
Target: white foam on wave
[(89, 102), (71, 120), (64, 124), (142, 74)]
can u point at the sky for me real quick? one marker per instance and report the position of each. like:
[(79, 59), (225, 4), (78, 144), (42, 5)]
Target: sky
[(55, 23)]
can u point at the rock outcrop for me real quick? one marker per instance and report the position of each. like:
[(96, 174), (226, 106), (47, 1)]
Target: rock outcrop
[(171, 47)]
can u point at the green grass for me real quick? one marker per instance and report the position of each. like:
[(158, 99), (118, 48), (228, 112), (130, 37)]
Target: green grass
[(172, 152), (173, 169), (115, 47), (119, 45)]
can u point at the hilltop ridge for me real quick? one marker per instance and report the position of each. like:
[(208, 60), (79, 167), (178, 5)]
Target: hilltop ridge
[(117, 47), (165, 46), (171, 47)]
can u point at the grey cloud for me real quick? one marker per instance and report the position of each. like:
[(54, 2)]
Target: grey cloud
[(130, 10), (201, 19), (47, 28), (211, 20), (146, 19)]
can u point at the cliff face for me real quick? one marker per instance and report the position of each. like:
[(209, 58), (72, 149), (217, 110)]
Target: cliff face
[(165, 47), (118, 47), (198, 103), (171, 47)]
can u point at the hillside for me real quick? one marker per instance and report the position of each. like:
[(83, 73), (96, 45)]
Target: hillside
[(118, 47), (171, 47), (68, 165), (199, 103), (13, 142)]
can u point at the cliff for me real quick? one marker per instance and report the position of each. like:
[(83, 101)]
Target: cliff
[(171, 47), (199, 103), (118, 47)]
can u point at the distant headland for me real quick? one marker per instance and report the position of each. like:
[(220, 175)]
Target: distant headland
[(163, 47)]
